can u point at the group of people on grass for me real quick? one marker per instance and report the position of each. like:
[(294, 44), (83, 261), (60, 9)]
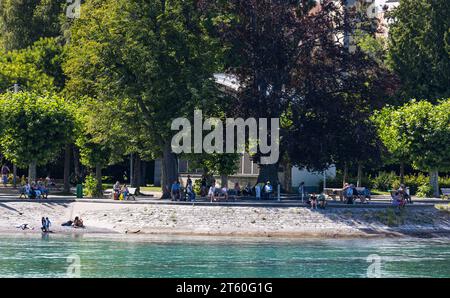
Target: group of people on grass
[(120, 192), (214, 192)]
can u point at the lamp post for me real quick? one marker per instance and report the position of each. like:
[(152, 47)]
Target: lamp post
[(16, 90)]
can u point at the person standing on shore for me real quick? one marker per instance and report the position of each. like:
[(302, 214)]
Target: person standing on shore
[(47, 224), (301, 190), (5, 171)]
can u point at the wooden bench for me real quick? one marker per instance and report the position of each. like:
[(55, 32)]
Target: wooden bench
[(445, 193), (334, 192), (132, 193)]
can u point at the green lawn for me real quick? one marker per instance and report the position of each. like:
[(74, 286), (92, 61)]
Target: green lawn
[(376, 192), (151, 188), (144, 188)]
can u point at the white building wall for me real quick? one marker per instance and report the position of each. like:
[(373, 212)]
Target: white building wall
[(310, 178)]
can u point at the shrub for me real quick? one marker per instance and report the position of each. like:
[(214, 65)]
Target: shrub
[(90, 186), (444, 182), (197, 186), (425, 191), (416, 181), (336, 182), (385, 181)]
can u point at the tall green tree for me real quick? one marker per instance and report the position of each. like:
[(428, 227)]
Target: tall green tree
[(156, 53), (36, 68), (419, 48), (422, 132), (292, 62), (23, 22), (34, 128), (99, 137)]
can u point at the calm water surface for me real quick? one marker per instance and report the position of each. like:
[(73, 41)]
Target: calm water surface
[(47, 256)]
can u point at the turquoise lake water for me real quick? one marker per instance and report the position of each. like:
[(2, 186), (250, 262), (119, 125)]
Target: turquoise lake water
[(47, 256)]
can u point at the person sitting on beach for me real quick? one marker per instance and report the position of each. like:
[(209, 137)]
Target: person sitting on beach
[(366, 193), (35, 189), (247, 191), (224, 192), (348, 193), (312, 201), (268, 189), (116, 190), (404, 193), (175, 190), (124, 192), (43, 190), (212, 191), (78, 222), (190, 191), (23, 227), (203, 187), (237, 189), (398, 200), (28, 191), (322, 201)]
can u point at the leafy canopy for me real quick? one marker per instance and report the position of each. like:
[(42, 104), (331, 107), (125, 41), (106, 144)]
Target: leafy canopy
[(33, 127)]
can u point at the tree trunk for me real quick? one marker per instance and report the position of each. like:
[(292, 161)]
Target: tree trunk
[(287, 185), (67, 168), (142, 182), (360, 173), (169, 166), (98, 176), (345, 175), (32, 171), (402, 173), (14, 175), (76, 164), (434, 181), (268, 173), (136, 171), (224, 180)]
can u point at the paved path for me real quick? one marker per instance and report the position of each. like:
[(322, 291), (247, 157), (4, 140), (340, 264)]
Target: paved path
[(244, 202)]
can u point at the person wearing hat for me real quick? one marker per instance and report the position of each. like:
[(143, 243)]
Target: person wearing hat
[(268, 189)]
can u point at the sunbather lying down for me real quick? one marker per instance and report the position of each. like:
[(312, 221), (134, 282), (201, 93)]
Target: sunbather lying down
[(24, 227), (76, 223)]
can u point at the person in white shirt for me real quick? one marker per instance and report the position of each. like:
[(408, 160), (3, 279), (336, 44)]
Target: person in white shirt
[(268, 189), (212, 191)]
